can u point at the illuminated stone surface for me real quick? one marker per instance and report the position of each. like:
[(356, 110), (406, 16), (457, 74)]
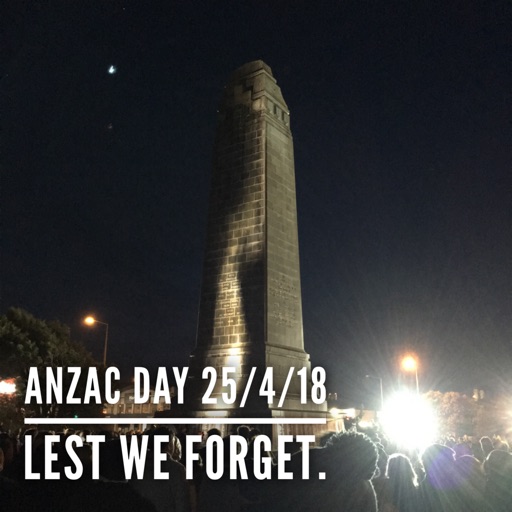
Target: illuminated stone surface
[(250, 310)]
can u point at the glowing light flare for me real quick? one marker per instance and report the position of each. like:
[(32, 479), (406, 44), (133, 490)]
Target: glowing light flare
[(215, 414), (409, 420), (112, 70), (234, 357), (89, 320), (409, 364), (7, 387)]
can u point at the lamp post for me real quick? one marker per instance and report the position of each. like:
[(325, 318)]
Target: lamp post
[(381, 389), (410, 364), (90, 321)]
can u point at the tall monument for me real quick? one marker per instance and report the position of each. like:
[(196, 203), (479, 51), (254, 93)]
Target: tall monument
[(250, 309)]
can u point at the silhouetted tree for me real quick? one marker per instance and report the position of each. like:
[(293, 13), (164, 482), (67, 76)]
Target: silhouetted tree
[(25, 342), (456, 412)]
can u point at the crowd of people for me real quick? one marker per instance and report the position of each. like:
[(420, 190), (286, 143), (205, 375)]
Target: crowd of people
[(364, 472)]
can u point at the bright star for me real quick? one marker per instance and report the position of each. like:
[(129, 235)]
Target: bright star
[(112, 70)]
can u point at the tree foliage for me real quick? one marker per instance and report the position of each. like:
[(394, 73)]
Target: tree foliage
[(25, 342), (459, 414), (455, 411)]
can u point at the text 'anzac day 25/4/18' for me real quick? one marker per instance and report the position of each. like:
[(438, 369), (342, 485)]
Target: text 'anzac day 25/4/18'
[(86, 389)]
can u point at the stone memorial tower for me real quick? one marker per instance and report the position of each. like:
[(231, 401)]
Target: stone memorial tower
[(250, 309)]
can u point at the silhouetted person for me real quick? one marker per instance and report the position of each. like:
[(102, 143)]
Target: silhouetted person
[(398, 490), (498, 490), (486, 444), (167, 495), (439, 488), (220, 495), (202, 451), (470, 484), (12, 498), (349, 461), (244, 431)]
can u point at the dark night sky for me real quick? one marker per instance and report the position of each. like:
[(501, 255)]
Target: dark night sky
[(401, 117)]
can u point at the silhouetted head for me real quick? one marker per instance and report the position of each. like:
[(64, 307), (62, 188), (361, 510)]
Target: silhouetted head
[(8, 447), (214, 432), (486, 444), (462, 449), (350, 456), (470, 473), (399, 467), (439, 463), (243, 430), (498, 466), (160, 431)]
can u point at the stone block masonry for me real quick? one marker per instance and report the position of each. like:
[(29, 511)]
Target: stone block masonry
[(250, 311)]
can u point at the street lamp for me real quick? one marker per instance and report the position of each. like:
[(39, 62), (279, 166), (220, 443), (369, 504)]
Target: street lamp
[(90, 321), (410, 364), (381, 389)]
